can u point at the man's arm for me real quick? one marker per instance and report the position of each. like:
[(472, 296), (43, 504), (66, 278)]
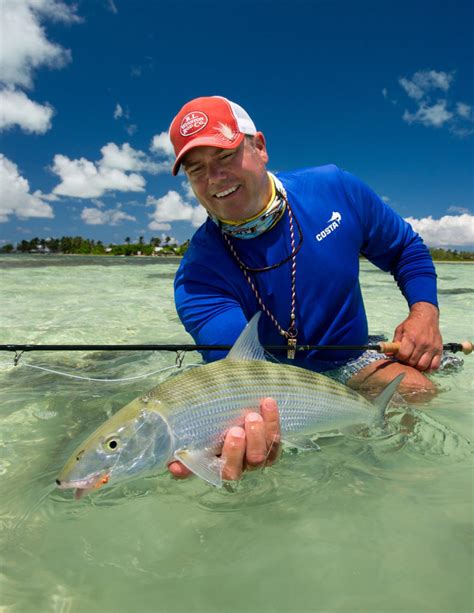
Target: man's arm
[(392, 245)]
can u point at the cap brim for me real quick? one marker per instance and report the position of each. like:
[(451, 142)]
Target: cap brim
[(205, 141)]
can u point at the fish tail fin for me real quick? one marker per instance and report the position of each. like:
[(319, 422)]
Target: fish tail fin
[(383, 399)]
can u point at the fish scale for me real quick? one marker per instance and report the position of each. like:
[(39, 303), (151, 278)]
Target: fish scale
[(210, 399)]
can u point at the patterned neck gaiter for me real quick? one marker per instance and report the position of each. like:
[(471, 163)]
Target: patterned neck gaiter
[(263, 221)]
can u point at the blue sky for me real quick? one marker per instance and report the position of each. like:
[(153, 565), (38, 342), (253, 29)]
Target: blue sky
[(88, 90)]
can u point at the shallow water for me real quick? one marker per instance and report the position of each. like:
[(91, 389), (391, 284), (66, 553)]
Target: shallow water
[(380, 524)]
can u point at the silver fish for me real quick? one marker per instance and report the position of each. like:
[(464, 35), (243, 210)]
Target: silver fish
[(185, 418)]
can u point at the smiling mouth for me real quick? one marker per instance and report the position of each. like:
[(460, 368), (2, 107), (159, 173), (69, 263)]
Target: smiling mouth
[(226, 192)]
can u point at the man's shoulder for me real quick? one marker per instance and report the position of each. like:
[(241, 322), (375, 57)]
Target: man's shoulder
[(310, 176), (320, 172)]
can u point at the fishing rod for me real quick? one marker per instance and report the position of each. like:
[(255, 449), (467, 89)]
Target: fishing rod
[(382, 347)]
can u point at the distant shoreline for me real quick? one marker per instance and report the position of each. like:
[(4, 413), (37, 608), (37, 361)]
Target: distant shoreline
[(170, 256), (98, 255), (453, 261)]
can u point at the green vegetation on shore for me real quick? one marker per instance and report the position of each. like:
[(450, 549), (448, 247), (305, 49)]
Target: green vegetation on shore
[(156, 246), (451, 255), (84, 246)]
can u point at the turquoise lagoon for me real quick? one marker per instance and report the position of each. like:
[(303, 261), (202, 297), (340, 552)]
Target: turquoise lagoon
[(365, 525)]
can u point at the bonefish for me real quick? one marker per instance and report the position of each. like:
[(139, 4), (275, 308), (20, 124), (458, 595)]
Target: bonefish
[(186, 417)]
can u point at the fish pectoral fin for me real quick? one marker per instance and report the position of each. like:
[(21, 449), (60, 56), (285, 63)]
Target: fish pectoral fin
[(302, 442), (203, 463)]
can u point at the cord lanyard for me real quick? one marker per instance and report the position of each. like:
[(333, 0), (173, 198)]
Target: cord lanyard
[(291, 334)]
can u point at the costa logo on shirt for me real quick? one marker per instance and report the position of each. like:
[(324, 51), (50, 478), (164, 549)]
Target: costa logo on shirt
[(192, 123), (334, 224)]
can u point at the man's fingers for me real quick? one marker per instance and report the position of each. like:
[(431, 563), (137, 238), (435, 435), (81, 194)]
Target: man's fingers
[(256, 444), (421, 356), (435, 362), (430, 360), (271, 418), (256, 452), (233, 453), (178, 470), (405, 352)]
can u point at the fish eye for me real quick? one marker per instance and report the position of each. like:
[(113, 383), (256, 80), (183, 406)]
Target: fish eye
[(112, 443)]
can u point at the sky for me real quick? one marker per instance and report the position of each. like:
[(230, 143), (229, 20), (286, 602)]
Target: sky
[(88, 90)]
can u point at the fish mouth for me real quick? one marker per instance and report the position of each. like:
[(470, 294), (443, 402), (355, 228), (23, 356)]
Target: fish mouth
[(83, 486)]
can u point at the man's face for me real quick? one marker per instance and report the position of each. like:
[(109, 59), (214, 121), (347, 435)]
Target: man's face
[(232, 184)]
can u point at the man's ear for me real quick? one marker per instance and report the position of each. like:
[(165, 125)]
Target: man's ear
[(261, 146)]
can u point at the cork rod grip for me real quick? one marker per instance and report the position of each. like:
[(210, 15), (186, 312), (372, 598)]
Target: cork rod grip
[(465, 347), (389, 347)]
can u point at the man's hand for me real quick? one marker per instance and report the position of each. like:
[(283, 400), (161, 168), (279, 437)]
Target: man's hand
[(420, 340), (255, 444)]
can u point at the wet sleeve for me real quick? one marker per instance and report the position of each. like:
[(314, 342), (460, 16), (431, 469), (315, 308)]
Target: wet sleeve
[(208, 311), (390, 243)]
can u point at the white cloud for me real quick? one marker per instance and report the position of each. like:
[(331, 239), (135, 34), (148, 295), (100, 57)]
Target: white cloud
[(386, 199), (434, 104), (24, 43), (126, 158), (449, 231), (155, 225), (172, 239), (83, 179), (24, 48), (124, 115), (161, 144), (464, 110), (50, 197), (99, 217), (117, 170), (458, 209), (435, 115), (384, 92), (111, 6), (118, 111), (172, 207), (424, 81), (16, 198), (188, 190), (17, 109)]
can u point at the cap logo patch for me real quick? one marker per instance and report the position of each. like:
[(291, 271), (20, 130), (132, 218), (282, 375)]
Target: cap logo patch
[(192, 123)]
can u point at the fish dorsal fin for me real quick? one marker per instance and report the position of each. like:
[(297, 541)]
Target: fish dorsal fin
[(248, 346)]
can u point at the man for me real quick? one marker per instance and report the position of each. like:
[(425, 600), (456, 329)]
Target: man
[(289, 246)]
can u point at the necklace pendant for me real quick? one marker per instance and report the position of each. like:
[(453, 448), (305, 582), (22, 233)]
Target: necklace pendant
[(291, 348)]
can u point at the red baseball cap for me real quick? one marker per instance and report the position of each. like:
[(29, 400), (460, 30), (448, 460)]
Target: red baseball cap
[(211, 121)]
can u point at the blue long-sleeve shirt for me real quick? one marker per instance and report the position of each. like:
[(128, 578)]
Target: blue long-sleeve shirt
[(340, 217)]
